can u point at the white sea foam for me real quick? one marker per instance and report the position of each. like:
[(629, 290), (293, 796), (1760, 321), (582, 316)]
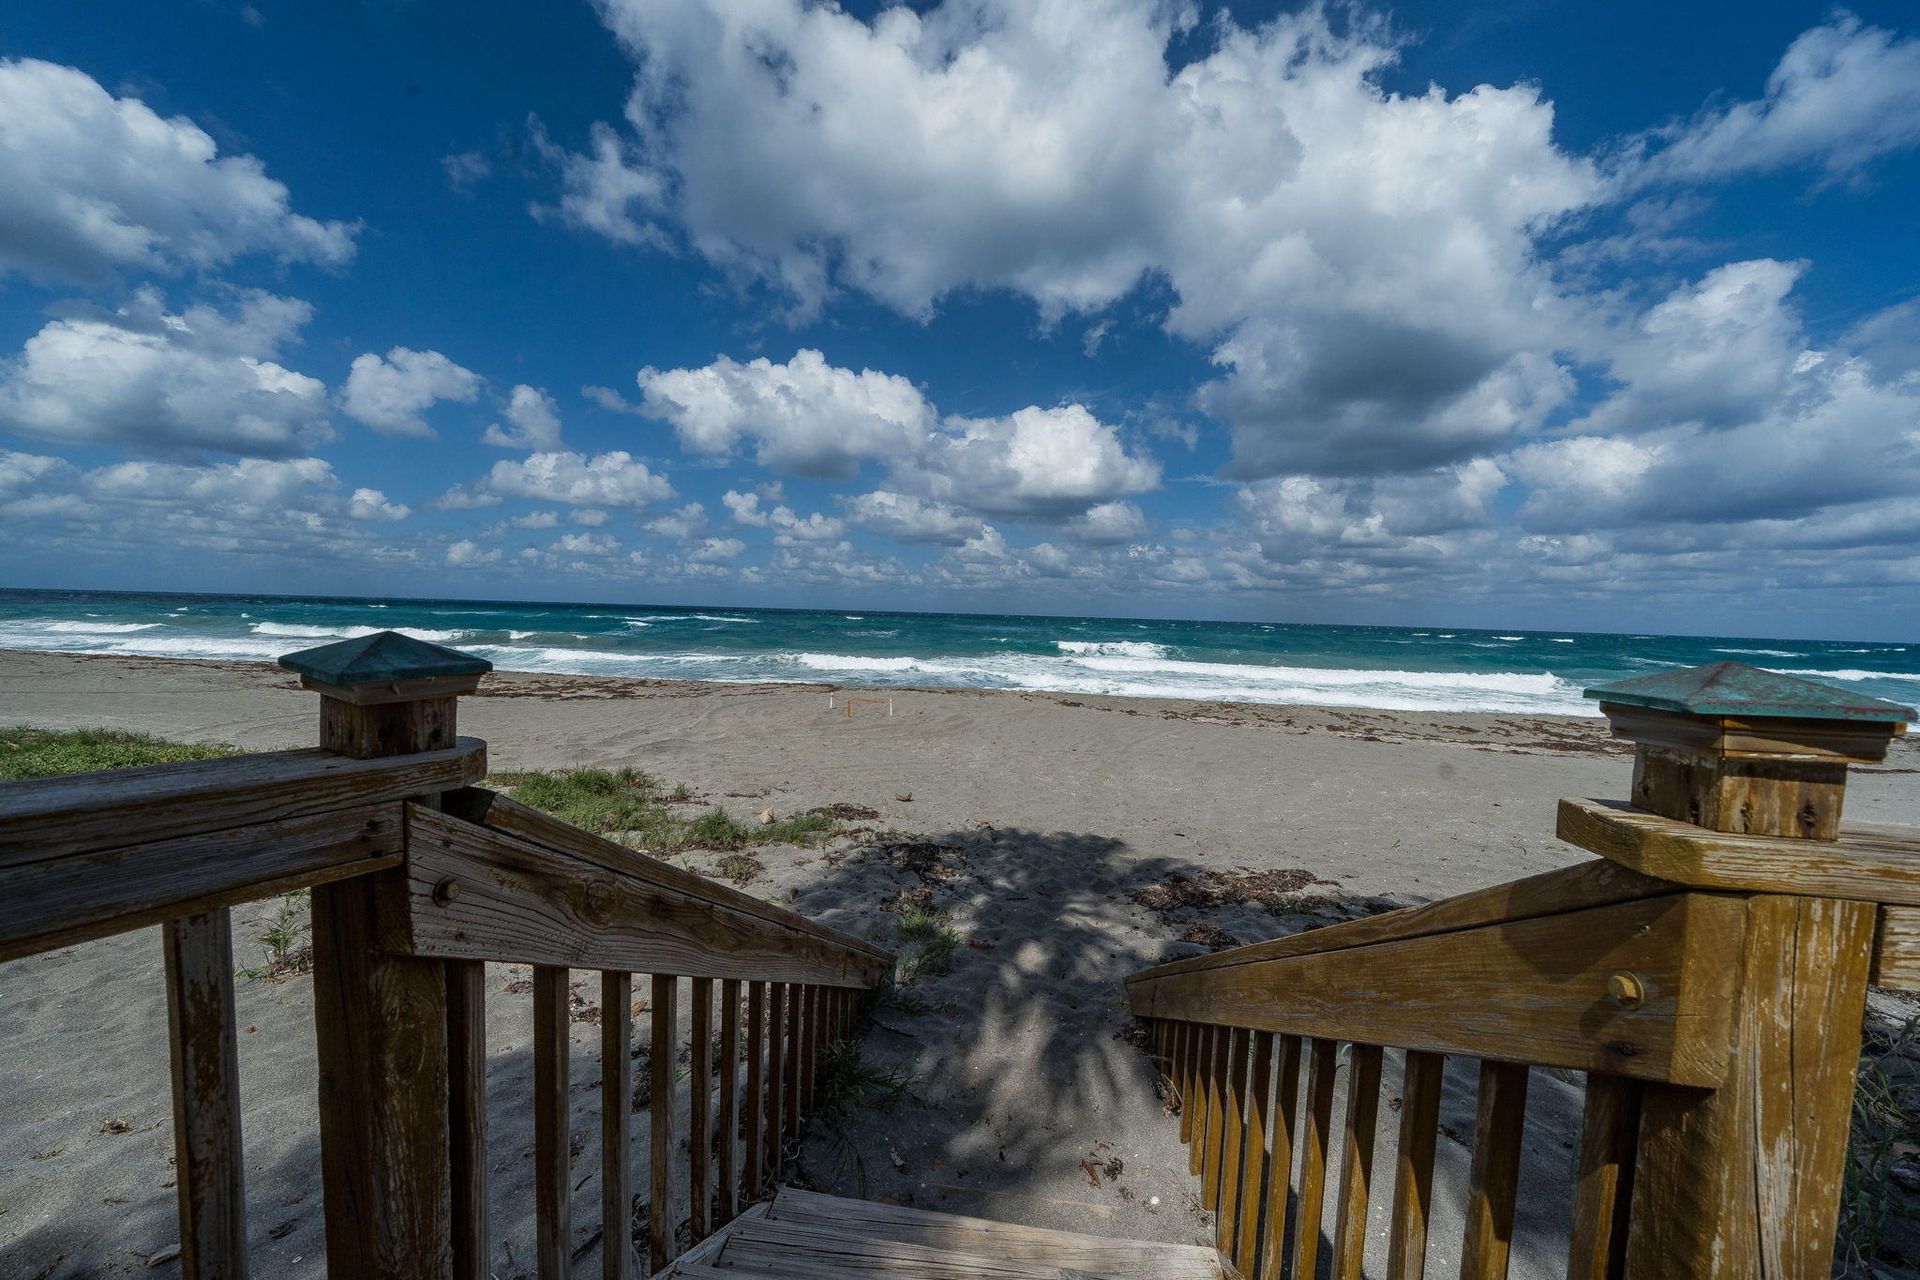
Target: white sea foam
[(93, 628), (1509, 637), (1775, 653), (298, 631), (1848, 673), (1111, 648)]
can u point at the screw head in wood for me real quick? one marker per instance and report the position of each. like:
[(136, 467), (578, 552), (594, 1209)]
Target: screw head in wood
[(1626, 991), (446, 891)]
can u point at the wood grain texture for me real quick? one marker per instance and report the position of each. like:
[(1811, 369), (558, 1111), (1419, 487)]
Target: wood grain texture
[(57, 902), (1202, 1068), (1313, 1158), (1215, 1088), (90, 812), (727, 1202), (661, 1220), (790, 1060), (1896, 949), (1603, 1179), (700, 1119), (1790, 798), (380, 1037), (552, 1136), (773, 1134), (1866, 864), (1745, 1180), (1245, 1250), (504, 814), (616, 1109), (1493, 1183), (1530, 991), (1356, 1162), (208, 1156), (1280, 1163), (806, 1027), (1589, 884), (1226, 1207), (363, 730), (1413, 1165), (467, 1117), (753, 1102), (1184, 1043)]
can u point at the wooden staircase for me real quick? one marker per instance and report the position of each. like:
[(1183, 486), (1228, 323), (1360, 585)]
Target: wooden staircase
[(799, 1235)]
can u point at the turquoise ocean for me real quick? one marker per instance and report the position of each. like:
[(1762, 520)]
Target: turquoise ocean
[(1393, 668)]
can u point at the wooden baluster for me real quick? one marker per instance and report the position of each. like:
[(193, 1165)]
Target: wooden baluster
[(1363, 1114), (700, 1125), (1226, 1209), (1603, 1179), (1413, 1174), (209, 1160), (790, 1082), (1182, 1070), (803, 1033), (817, 1044), (1496, 1171), (776, 1125), (616, 1105), (467, 1116), (552, 1150), (1286, 1112), (1202, 1072), (660, 1223), (1313, 1158), (1246, 1244), (729, 1201), (753, 1106)]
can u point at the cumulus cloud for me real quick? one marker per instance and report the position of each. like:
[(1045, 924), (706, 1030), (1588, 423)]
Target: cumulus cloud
[(91, 184), (710, 550), (142, 376), (614, 479), (681, 524), (371, 504), (393, 394), (1108, 524), (534, 422), (907, 518), (466, 553)]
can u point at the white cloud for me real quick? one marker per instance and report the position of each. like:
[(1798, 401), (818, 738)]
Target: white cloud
[(250, 486), (605, 480), (907, 518), (586, 544), (535, 420), (141, 376), (1035, 461), (1108, 524), (371, 504), (709, 550), (22, 471), (681, 525), (467, 552), (589, 517), (537, 520), (1843, 95), (392, 394), (91, 184)]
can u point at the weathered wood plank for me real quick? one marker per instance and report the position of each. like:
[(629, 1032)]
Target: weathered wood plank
[(509, 816), (1215, 1087), (1226, 1208), (552, 1136), (1590, 884), (1245, 1253), (1745, 1180), (660, 1220), (1313, 1158), (1413, 1159), (808, 1025), (1286, 1113), (209, 1158), (1202, 1069), (616, 1108), (467, 1116), (88, 812), (1896, 949), (1493, 1183), (790, 1102), (1186, 1041), (728, 1204), (753, 1103), (1603, 1179), (57, 902), (523, 903), (700, 1121), (773, 1135), (1530, 991), (1867, 864), (1356, 1179)]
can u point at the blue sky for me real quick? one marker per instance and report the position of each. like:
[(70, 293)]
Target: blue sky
[(1506, 314)]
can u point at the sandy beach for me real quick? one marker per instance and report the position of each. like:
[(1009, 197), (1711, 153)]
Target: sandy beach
[(1057, 825)]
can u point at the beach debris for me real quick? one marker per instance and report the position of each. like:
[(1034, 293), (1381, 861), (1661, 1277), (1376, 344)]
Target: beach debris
[(841, 811), (764, 817), (924, 858), (1280, 891), (1093, 1172), (904, 797), (893, 1157), (162, 1257), (1210, 936)]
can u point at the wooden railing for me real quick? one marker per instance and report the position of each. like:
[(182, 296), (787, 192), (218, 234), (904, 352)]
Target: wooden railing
[(419, 879), (1718, 1030)]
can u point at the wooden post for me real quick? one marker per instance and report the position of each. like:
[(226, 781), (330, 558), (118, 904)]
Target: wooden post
[(208, 1158), (382, 1019)]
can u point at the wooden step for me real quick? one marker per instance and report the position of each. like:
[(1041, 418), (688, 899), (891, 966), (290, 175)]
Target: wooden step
[(808, 1236)]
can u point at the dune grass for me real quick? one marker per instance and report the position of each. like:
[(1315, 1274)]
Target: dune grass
[(45, 753), (636, 806)]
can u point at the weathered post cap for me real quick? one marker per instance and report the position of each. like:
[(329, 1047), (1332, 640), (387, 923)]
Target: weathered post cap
[(1733, 748), (387, 693)]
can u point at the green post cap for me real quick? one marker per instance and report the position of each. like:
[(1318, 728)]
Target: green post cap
[(1736, 689), (380, 658)]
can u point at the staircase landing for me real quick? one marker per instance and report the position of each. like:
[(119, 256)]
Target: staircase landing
[(799, 1235)]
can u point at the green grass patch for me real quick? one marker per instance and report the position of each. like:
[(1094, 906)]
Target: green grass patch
[(47, 753), (927, 944), (851, 1090), (634, 804)]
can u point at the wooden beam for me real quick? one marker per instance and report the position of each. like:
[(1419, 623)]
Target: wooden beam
[(1531, 991), (1286, 1116), (1494, 1181), (753, 1103), (660, 1224), (89, 812), (616, 1110), (1896, 949), (552, 1129), (1867, 864), (1313, 1158), (57, 902), (1356, 1179), (208, 1156), (700, 1092), (728, 1205), (526, 903), (1603, 1179), (1413, 1161), (467, 1117)]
